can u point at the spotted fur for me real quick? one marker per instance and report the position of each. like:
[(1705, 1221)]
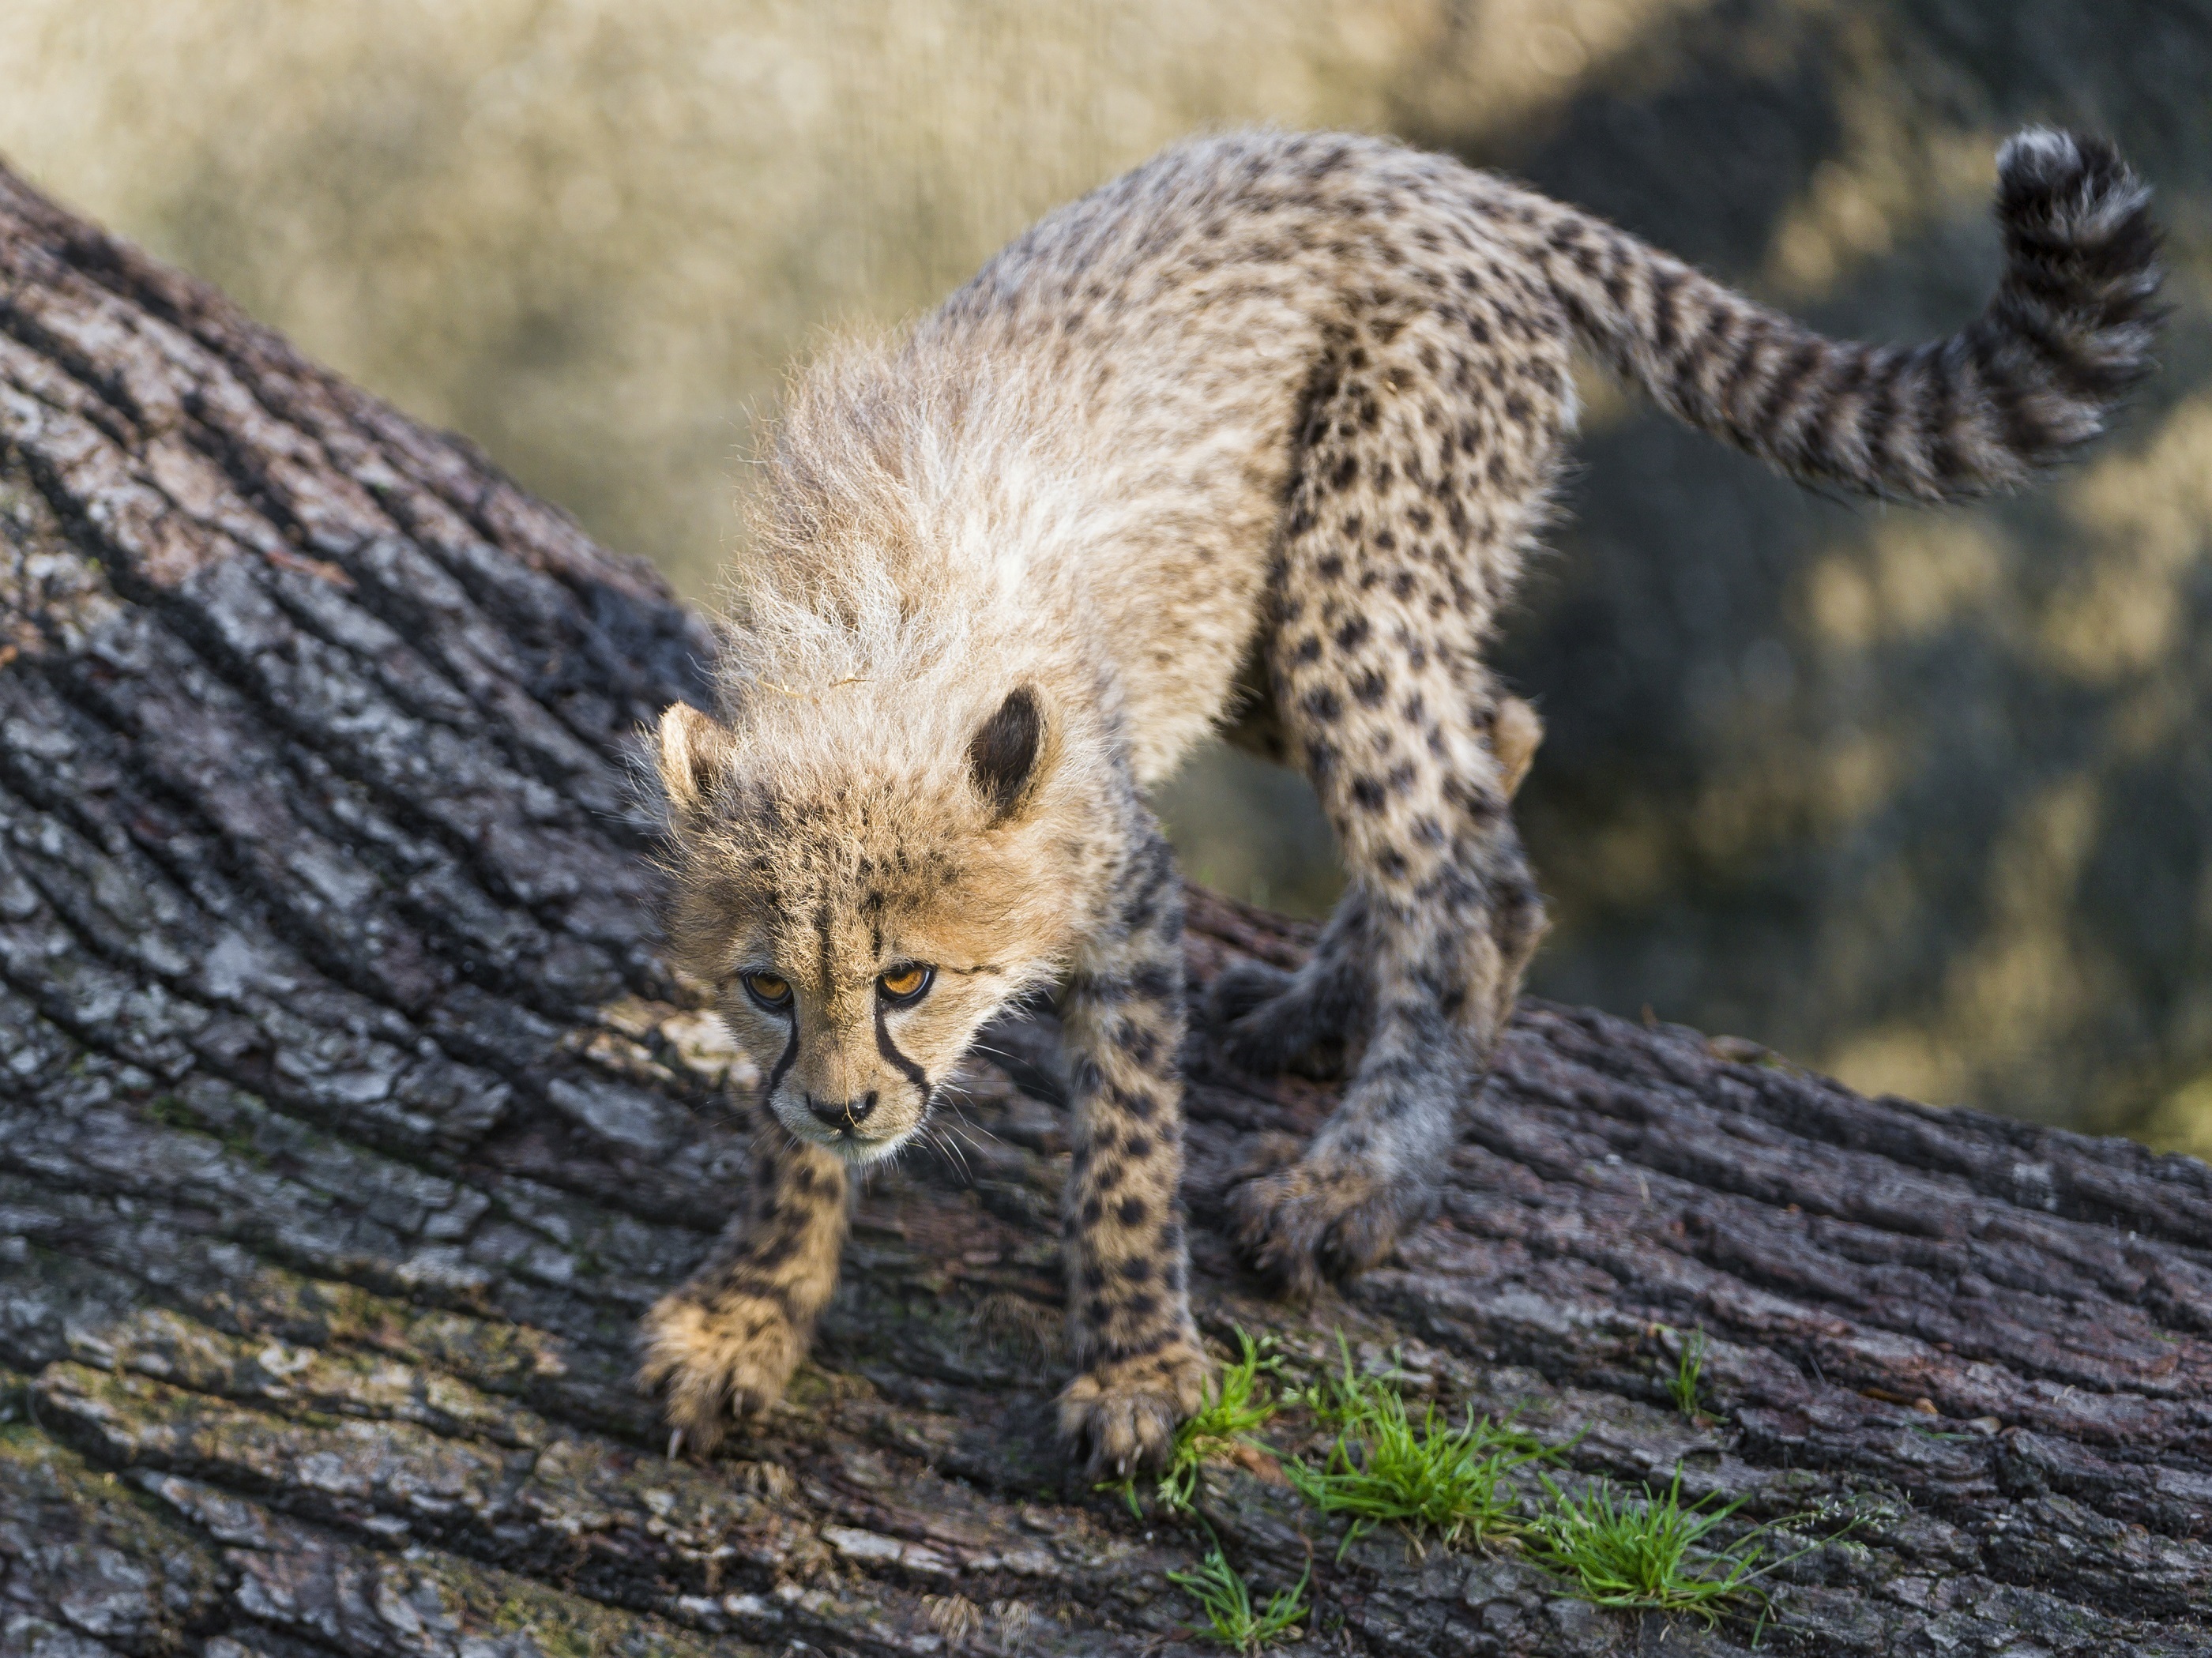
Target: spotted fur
[(729, 1339), (1257, 437)]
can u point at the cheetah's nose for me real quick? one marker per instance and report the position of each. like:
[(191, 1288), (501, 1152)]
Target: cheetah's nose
[(849, 1114)]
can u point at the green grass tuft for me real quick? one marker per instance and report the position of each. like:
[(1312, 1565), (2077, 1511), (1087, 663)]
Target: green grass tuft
[(171, 1112), (1655, 1554), (1649, 1555), (1689, 1369), (1628, 1550), (1230, 1618), (1426, 1476)]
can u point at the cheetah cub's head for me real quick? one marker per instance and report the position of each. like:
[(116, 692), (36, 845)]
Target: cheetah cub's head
[(864, 886)]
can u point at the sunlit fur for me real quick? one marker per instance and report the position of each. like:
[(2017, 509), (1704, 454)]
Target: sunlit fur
[(1260, 432), (833, 829)]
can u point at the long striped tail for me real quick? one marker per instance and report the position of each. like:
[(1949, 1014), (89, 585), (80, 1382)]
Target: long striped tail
[(2039, 373)]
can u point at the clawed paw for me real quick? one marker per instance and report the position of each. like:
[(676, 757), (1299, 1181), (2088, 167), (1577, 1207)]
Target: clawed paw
[(1319, 1219), (1120, 1417), (710, 1365)]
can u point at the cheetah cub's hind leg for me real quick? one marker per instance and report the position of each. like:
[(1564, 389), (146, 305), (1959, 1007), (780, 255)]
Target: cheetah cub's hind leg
[(1423, 475), (1266, 1019)]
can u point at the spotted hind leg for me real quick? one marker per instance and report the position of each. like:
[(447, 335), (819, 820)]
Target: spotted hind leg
[(1422, 476), (1268, 1019), (1448, 925)]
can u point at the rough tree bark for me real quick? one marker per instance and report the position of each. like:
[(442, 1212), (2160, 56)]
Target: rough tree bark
[(348, 1120)]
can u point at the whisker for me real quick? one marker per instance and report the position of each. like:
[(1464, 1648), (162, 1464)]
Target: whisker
[(957, 1118), (953, 1153), (949, 1138), (956, 1104)]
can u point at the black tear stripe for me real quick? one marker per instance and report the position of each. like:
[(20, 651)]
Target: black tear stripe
[(783, 1063), (906, 1067)]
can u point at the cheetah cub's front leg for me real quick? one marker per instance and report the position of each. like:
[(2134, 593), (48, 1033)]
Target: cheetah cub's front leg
[(1141, 1370), (726, 1344)]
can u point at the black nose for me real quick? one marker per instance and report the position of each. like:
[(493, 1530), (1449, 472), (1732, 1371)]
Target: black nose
[(850, 1115)]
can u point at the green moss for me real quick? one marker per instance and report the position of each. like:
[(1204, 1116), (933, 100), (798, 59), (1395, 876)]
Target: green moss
[(171, 1112), (561, 1624), (554, 1630)]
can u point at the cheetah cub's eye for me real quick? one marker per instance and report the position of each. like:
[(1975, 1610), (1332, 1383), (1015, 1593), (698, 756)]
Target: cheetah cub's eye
[(770, 990), (905, 983)]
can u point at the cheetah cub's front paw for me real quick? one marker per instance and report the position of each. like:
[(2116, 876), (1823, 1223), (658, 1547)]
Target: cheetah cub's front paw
[(1322, 1217), (710, 1363), (1122, 1416)]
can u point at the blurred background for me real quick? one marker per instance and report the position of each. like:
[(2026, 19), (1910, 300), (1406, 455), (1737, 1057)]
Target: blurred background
[(1922, 800)]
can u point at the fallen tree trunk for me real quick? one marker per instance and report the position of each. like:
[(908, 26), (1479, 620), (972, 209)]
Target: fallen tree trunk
[(348, 1120)]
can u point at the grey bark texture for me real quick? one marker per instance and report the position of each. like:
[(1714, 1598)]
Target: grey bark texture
[(348, 1120)]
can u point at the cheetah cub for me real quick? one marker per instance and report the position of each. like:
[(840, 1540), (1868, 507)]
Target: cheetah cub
[(1261, 431)]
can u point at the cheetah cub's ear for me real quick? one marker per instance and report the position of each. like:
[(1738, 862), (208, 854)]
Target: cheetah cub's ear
[(1010, 754), (690, 748)]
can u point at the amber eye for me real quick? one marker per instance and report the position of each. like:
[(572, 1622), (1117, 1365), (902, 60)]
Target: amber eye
[(768, 989), (905, 983)]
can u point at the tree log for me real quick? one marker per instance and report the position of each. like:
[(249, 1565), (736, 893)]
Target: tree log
[(349, 1119)]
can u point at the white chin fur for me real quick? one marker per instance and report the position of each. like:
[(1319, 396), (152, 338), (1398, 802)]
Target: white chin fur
[(857, 1152), (860, 1153)]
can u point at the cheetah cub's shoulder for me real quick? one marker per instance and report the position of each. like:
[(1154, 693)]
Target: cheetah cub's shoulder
[(1265, 427)]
